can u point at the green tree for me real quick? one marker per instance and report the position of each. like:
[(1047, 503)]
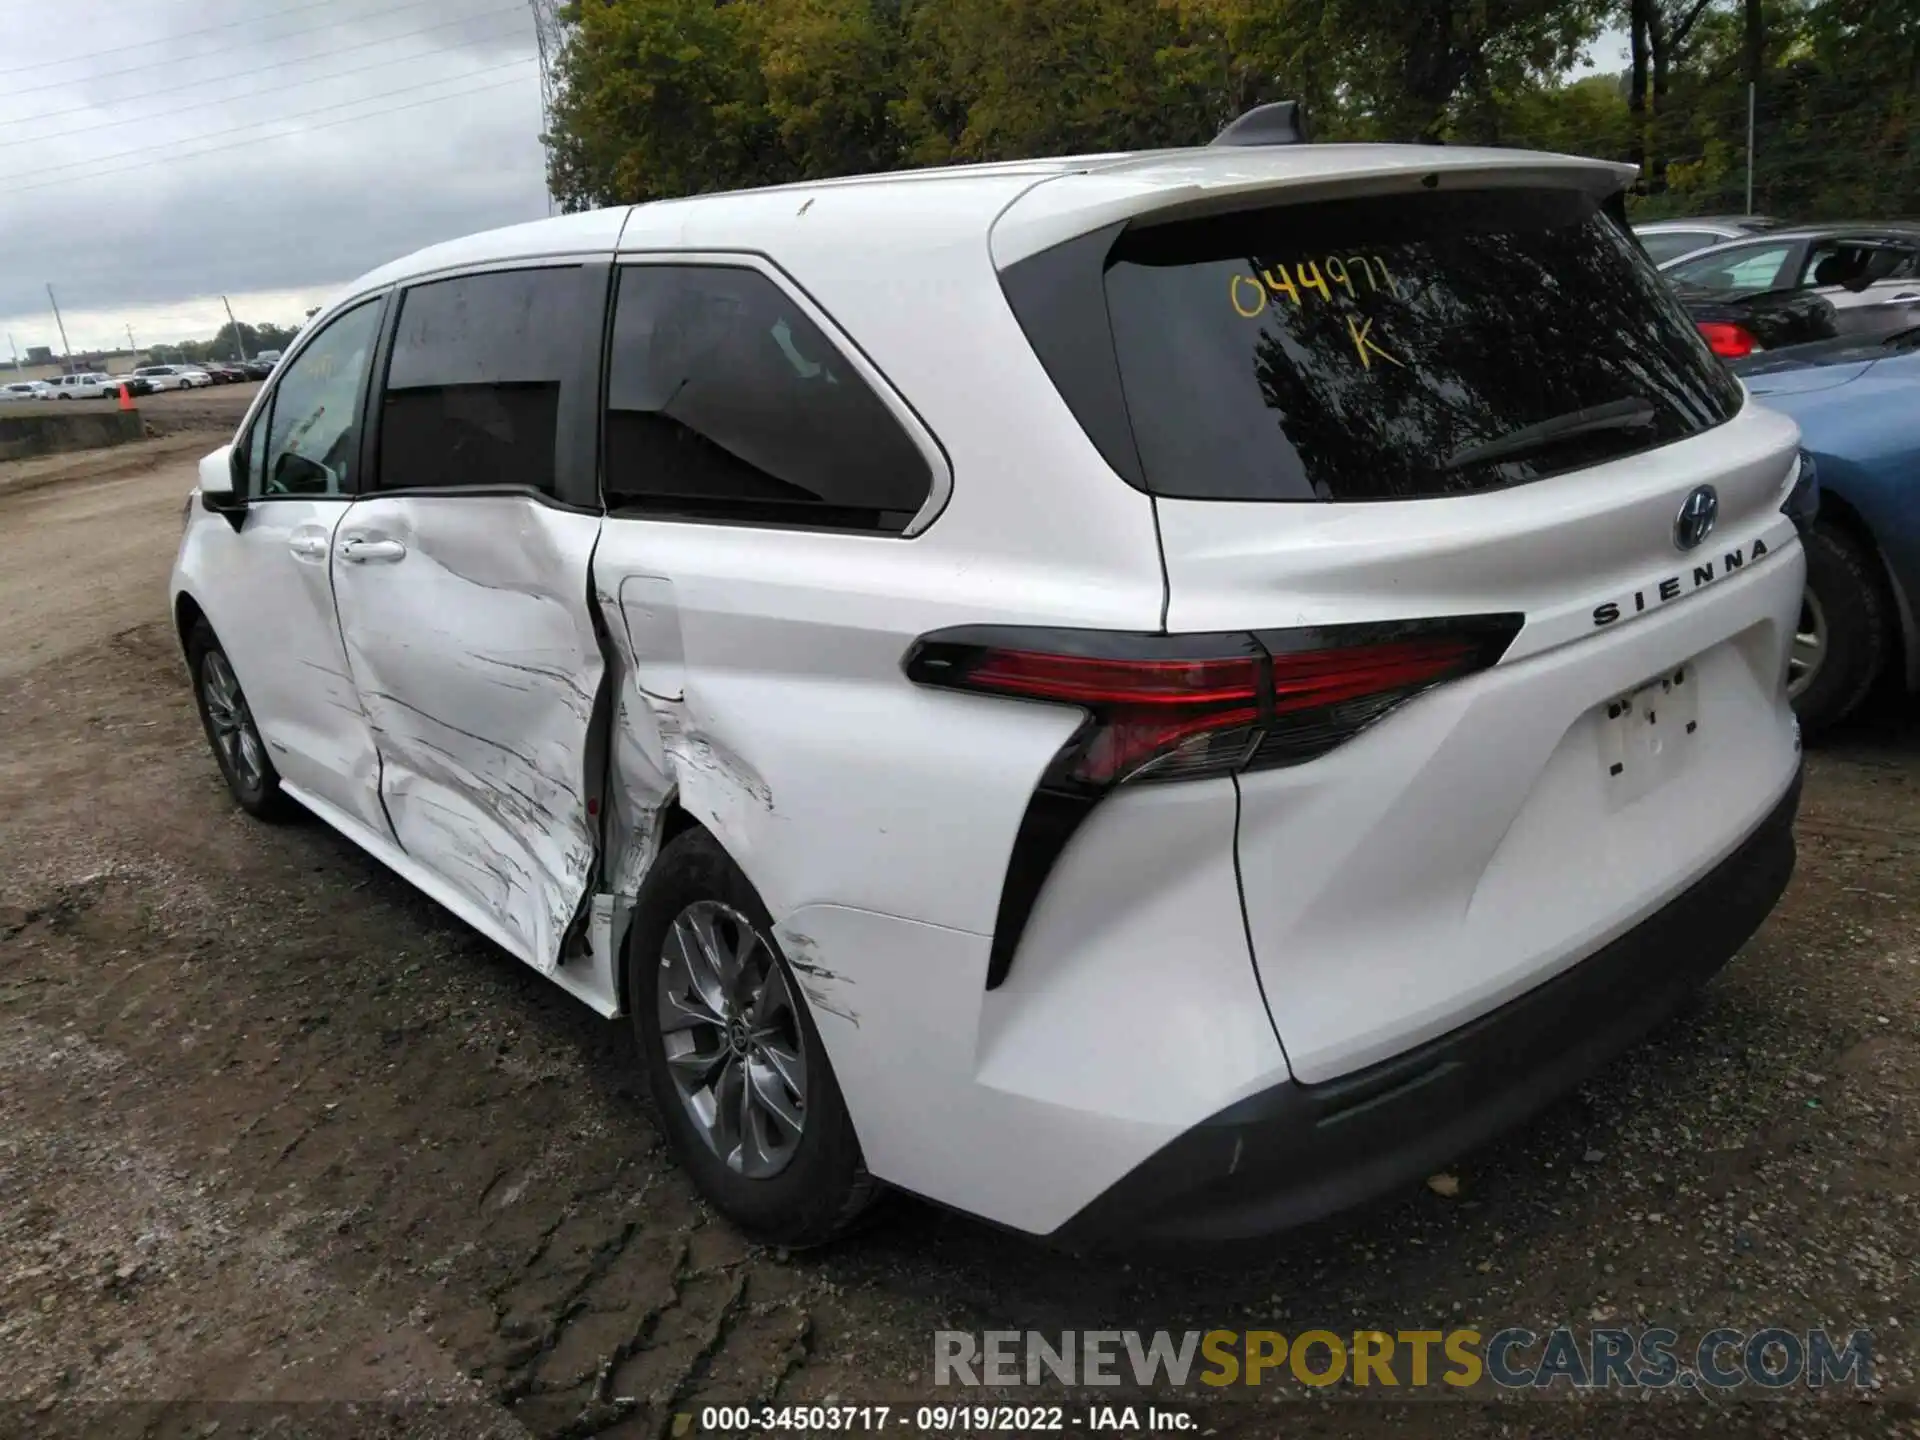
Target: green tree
[(830, 74), (657, 98), (670, 97), (1004, 79)]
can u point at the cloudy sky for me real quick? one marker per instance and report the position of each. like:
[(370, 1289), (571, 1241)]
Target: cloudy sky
[(156, 155)]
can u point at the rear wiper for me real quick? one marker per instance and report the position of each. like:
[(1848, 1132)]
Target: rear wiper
[(1631, 413)]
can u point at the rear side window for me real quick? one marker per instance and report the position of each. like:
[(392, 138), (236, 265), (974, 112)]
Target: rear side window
[(473, 388), (1397, 347), (1742, 270), (726, 402), (1664, 245)]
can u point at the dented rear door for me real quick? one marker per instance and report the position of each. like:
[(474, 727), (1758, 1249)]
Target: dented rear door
[(461, 577)]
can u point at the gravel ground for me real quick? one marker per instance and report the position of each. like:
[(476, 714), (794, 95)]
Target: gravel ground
[(279, 1138)]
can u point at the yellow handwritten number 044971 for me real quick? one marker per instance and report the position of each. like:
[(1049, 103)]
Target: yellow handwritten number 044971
[(1251, 296)]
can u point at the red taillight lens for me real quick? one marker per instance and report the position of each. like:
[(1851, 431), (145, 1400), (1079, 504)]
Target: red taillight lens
[(1170, 707), (1094, 680), (1309, 678), (1727, 340)]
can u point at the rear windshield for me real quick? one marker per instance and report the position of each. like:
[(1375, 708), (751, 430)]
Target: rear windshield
[(1399, 347)]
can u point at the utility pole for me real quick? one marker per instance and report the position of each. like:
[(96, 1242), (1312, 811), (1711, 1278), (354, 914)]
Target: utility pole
[(132, 348), (1752, 90), (239, 343), (66, 351), (16, 352)]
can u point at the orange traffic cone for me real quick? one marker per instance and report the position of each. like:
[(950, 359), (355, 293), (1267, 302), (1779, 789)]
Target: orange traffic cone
[(126, 400)]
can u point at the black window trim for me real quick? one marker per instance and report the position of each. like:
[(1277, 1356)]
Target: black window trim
[(576, 456), (761, 516), (262, 411)]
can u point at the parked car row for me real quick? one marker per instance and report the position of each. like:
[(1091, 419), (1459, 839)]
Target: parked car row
[(1765, 286), (1822, 323), (147, 380)]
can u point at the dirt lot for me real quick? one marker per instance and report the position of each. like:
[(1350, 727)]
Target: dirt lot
[(274, 1129), (217, 407)]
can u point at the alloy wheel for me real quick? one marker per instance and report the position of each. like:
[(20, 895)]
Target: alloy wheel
[(1809, 646), (732, 1037), (234, 734)]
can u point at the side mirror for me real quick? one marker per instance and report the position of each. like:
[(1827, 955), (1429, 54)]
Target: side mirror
[(220, 484)]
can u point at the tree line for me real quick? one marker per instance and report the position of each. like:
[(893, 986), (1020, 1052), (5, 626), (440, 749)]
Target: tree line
[(657, 98), (221, 347)]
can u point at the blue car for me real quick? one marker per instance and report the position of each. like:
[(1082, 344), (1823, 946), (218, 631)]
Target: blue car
[(1857, 401)]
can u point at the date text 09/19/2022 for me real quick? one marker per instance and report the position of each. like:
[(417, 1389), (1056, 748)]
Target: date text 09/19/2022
[(936, 1419)]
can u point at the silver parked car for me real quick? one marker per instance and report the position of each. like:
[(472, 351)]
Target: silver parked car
[(1666, 240)]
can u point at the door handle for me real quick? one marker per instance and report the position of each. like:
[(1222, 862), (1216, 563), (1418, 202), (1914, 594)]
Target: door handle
[(361, 550)]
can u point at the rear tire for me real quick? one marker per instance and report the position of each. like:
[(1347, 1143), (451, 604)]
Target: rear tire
[(1841, 644), (811, 1186), (232, 734)]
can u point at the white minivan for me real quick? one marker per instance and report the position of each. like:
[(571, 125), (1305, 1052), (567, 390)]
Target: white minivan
[(1146, 697)]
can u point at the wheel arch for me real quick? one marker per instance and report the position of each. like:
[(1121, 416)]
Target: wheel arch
[(670, 822), (1836, 509), (186, 614)]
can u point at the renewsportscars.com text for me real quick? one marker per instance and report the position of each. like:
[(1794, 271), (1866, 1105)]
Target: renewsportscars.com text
[(1511, 1358)]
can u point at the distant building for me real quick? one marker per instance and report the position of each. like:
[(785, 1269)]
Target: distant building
[(114, 362)]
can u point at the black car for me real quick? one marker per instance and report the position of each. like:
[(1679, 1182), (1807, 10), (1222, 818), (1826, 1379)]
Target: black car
[(1738, 325), (256, 369), (1868, 273)]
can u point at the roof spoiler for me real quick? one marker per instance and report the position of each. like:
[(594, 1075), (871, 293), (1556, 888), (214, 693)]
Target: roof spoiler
[(1281, 123)]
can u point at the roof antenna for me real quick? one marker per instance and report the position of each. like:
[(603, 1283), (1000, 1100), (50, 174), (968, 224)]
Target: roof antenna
[(1283, 122)]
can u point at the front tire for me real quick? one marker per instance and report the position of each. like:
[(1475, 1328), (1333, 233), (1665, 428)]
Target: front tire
[(744, 1090), (1840, 644), (231, 731)]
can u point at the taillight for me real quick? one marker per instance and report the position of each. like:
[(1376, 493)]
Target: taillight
[(1182, 707), (1154, 712), (1177, 707), (1727, 340)]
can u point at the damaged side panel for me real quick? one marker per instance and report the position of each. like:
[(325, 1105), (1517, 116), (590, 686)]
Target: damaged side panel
[(478, 665), (640, 779)]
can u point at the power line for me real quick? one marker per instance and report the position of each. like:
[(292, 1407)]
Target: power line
[(280, 64), (244, 94), (220, 50), (182, 35), (290, 115), (262, 139)]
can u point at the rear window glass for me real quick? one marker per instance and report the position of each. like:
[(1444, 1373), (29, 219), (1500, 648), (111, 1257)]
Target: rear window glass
[(1399, 347)]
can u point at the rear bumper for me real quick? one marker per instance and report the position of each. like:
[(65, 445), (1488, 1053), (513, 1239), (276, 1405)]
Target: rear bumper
[(1297, 1152)]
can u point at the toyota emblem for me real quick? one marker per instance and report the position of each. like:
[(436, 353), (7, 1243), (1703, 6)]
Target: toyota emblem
[(1695, 521)]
